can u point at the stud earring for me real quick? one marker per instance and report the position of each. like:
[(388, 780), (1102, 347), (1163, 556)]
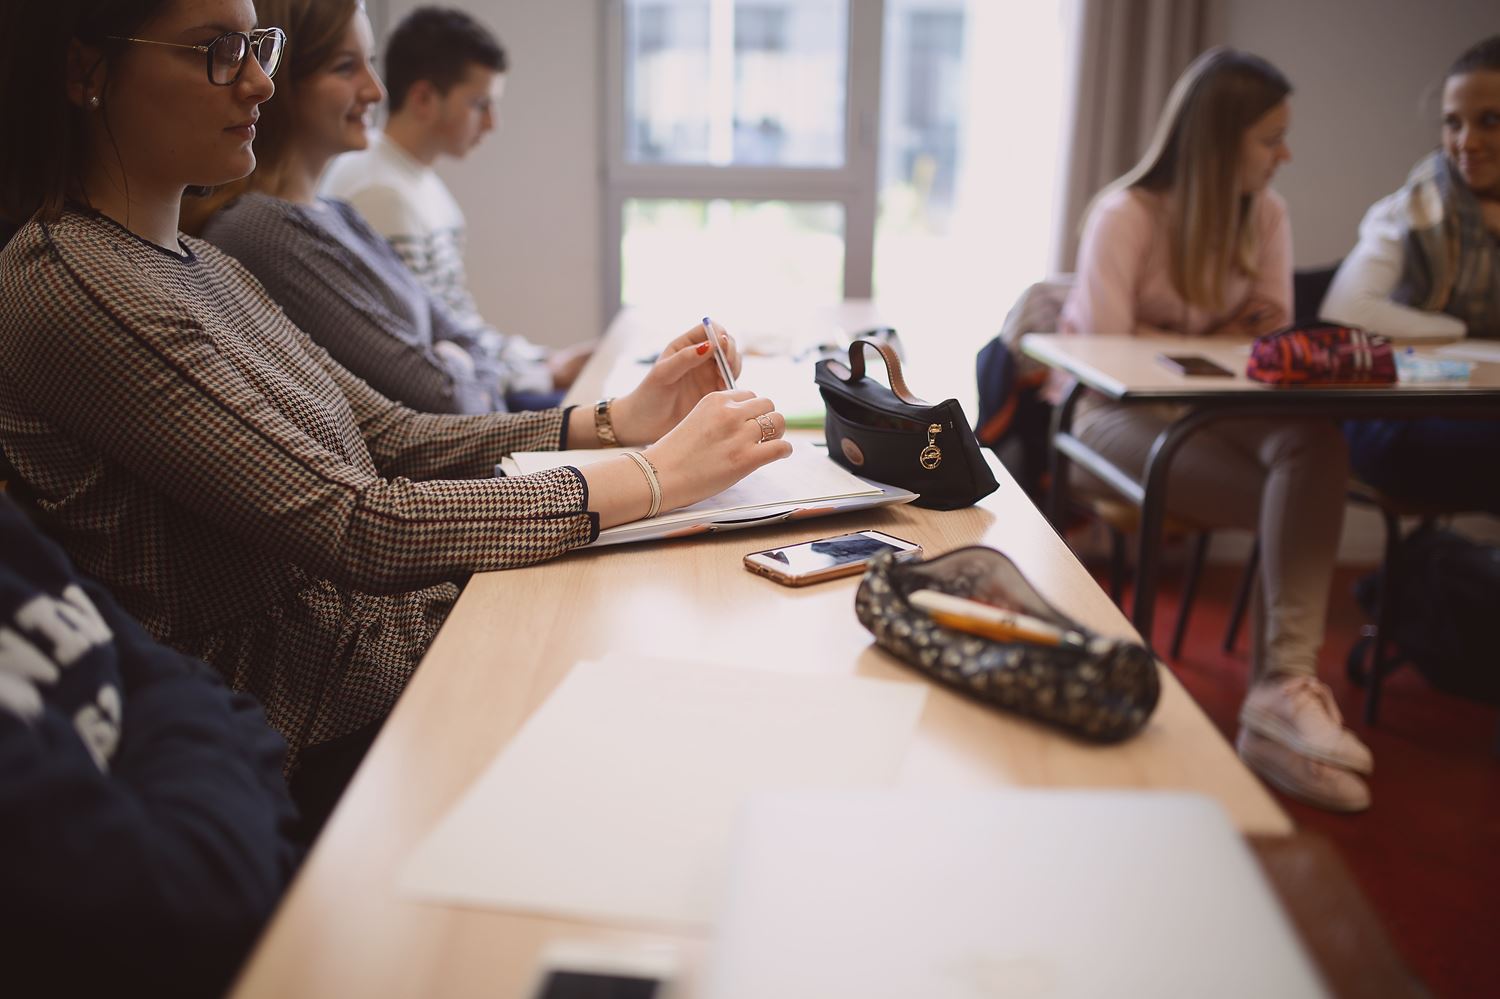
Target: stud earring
[(94, 102)]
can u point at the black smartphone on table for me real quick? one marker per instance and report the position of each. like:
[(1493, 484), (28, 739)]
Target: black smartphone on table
[(584, 970), (1194, 365)]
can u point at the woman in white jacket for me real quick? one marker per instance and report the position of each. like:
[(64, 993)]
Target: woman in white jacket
[(1428, 266)]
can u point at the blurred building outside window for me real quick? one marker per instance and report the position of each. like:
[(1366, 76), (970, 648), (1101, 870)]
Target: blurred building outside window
[(745, 160)]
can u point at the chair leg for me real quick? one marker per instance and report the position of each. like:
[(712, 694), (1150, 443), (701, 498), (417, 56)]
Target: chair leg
[(1117, 567), (1189, 591), (1242, 598), (1382, 662)]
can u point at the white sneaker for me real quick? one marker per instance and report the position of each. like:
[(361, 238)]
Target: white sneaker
[(1299, 712), (1303, 778)]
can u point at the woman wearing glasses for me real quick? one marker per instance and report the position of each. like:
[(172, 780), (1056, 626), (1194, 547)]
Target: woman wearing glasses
[(247, 498)]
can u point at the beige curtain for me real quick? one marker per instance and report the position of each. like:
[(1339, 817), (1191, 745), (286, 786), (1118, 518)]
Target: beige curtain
[(1125, 56)]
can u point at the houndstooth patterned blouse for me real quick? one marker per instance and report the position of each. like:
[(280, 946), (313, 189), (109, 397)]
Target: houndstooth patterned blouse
[(248, 499)]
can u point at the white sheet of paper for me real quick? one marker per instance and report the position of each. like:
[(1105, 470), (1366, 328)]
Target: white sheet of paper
[(807, 476), (1471, 350), (616, 799), (965, 895)]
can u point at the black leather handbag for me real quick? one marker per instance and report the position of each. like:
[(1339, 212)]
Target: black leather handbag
[(1100, 689), (891, 436)]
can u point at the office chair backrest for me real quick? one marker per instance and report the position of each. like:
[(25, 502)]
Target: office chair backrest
[(1309, 288)]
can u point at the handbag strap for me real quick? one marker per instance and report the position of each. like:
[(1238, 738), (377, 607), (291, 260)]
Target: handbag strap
[(856, 368)]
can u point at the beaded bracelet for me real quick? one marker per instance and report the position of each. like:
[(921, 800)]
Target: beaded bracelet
[(654, 484)]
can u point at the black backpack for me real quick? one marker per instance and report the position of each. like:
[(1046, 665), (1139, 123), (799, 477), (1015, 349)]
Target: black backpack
[(1015, 419), (1447, 606)]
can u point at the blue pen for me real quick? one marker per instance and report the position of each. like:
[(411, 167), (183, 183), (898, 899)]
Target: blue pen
[(723, 362)]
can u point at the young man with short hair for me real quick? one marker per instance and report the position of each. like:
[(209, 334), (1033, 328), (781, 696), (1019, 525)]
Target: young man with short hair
[(445, 73)]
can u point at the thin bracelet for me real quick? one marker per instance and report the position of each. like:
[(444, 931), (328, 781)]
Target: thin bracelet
[(604, 424), (649, 471)]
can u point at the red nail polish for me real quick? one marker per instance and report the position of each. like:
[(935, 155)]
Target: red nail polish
[(703, 348)]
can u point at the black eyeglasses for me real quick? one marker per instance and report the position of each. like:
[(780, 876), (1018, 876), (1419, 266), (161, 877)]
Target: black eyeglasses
[(227, 54)]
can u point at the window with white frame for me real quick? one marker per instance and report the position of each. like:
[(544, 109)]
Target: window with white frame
[(805, 151)]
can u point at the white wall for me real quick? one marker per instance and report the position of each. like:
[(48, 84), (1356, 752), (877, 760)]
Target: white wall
[(531, 190), (1368, 79)]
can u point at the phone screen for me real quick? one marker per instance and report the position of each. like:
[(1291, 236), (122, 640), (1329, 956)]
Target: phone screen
[(589, 985), (828, 553)]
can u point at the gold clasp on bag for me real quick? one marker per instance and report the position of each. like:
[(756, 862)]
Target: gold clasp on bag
[(932, 455)]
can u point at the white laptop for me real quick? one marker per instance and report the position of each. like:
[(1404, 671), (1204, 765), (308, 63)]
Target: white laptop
[(953, 895)]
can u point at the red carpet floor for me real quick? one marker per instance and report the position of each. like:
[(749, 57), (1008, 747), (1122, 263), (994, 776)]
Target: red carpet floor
[(1427, 853)]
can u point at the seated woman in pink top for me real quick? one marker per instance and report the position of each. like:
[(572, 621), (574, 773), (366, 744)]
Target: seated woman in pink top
[(1192, 241)]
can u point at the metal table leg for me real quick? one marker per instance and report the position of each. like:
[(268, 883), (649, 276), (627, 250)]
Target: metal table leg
[(1062, 424), (1154, 510)]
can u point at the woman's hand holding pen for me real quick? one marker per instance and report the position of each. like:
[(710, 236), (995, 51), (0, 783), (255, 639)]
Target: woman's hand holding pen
[(703, 438), (725, 437), (683, 374)]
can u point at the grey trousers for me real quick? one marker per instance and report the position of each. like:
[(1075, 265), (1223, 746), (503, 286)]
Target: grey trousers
[(1283, 479)]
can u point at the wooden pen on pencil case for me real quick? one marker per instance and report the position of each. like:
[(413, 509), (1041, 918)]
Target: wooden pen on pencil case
[(990, 622)]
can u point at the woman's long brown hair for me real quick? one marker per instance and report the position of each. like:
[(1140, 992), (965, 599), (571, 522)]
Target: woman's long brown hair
[(1194, 159)]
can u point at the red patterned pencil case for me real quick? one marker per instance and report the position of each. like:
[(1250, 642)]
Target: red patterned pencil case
[(1318, 353)]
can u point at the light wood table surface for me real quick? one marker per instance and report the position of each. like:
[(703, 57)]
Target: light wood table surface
[(1128, 368), (343, 931)]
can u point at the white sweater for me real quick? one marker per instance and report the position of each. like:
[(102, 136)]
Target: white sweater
[(1361, 291)]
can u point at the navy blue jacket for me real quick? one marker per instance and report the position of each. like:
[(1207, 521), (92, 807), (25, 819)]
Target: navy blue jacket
[(144, 821)]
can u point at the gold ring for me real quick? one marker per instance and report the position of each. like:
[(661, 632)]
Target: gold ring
[(767, 428)]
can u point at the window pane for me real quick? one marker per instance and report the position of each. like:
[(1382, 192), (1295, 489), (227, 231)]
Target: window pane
[(735, 82), (971, 106), (708, 252)]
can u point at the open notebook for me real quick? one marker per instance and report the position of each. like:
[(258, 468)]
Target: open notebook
[(807, 484)]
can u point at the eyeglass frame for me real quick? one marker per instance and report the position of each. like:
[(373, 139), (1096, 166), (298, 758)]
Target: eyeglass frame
[(250, 37)]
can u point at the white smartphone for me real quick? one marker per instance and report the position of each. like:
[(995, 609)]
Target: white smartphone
[(596, 971), (826, 558)]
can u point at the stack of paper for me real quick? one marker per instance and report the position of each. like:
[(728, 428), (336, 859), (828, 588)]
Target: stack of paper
[(1472, 350), (617, 798), (895, 894)]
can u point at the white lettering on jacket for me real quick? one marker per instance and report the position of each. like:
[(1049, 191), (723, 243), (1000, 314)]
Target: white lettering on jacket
[(69, 627), (71, 624), (22, 668), (98, 725)]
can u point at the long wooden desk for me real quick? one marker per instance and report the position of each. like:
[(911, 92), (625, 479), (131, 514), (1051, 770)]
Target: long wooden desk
[(1126, 370), (343, 931)]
